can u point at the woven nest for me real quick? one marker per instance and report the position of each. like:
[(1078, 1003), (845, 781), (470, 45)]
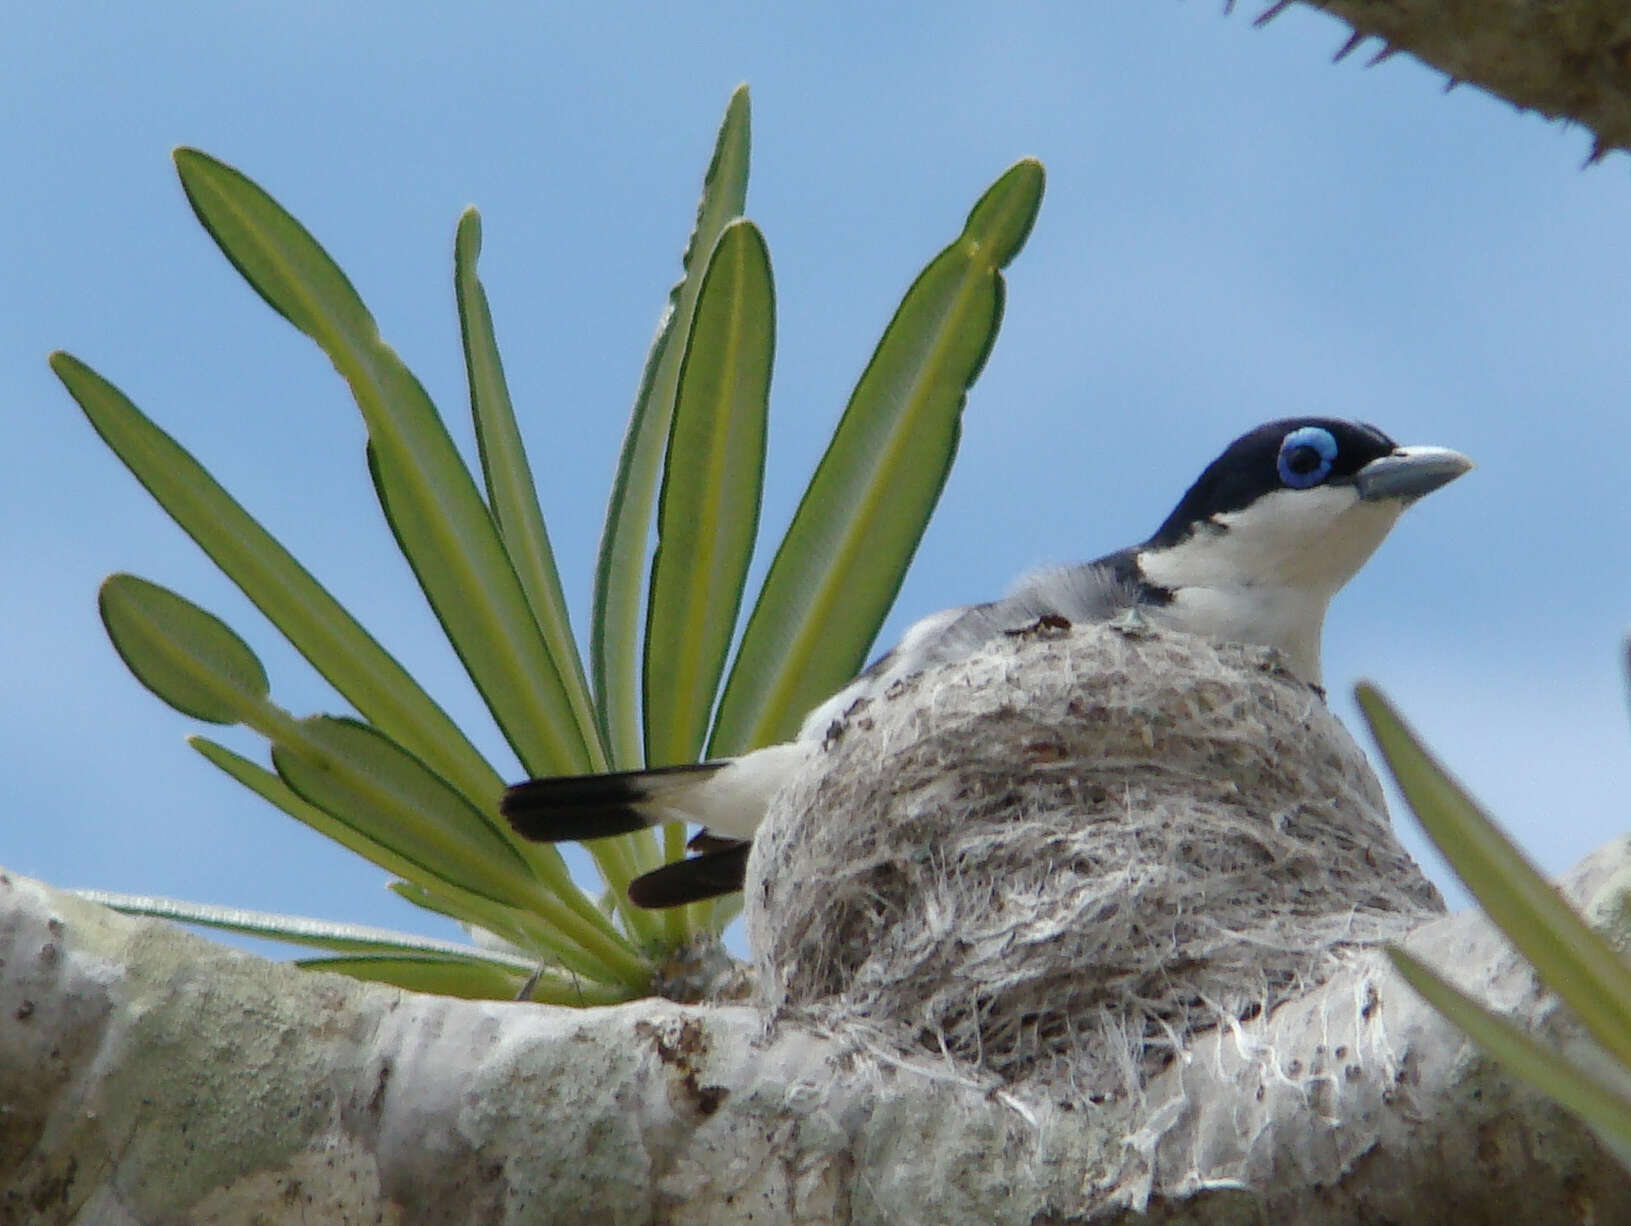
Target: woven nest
[(1063, 857)]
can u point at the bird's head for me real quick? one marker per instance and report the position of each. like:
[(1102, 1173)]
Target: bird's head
[(1279, 522)]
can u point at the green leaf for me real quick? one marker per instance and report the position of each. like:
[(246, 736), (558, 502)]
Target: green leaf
[(357, 775), (416, 963), (615, 626), (1586, 1096), (404, 514), (424, 887), (864, 512), (437, 976), (468, 979), (510, 489), (436, 512), (514, 502), (312, 620), (189, 658), (329, 637), (496, 917), (299, 930), (453, 903), (709, 509), (1572, 960)]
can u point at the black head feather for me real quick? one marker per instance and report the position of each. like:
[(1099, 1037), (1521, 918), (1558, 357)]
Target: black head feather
[(1253, 466)]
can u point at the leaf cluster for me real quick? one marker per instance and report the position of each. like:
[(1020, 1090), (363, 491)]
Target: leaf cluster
[(395, 780)]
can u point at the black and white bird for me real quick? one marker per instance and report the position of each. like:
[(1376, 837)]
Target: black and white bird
[(1253, 553)]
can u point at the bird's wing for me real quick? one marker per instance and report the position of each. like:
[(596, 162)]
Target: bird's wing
[(1089, 592)]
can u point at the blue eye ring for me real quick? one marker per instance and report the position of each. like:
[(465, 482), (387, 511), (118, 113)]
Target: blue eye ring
[(1306, 455)]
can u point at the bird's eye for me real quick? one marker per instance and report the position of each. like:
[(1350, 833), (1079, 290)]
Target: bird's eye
[(1305, 457)]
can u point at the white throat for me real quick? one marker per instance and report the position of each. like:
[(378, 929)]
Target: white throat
[(1266, 574)]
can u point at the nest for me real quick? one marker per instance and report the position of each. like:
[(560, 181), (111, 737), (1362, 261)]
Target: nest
[(1063, 857)]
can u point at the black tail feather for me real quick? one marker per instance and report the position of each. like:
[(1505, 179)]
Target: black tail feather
[(696, 879), (586, 806)]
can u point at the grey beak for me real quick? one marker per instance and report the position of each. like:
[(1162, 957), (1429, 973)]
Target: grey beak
[(1409, 473)]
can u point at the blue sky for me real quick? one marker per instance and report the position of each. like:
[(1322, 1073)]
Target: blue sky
[(1234, 229)]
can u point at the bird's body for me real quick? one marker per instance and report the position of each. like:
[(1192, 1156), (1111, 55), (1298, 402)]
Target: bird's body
[(1253, 553)]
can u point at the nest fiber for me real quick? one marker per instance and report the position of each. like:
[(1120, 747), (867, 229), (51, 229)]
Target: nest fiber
[(1061, 858)]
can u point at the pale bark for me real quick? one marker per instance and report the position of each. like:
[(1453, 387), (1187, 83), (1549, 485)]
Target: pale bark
[(148, 1076)]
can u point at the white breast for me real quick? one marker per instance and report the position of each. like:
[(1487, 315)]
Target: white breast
[(1266, 574)]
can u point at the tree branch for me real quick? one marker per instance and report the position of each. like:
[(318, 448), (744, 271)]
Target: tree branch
[(1567, 59), (148, 1076)]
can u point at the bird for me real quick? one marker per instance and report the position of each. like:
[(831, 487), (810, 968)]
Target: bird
[(1252, 553)]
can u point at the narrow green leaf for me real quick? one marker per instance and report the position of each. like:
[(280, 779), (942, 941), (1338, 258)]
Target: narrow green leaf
[(510, 489), (313, 621), (514, 502), (1572, 960), (417, 963), (357, 775), (404, 514), (528, 934), (615, 627), (406, 524), (521, 928), (189, 658), (708, 513), (446, 900), (435, 976), (844, 556), (299, 930), (461, 904), (439, 517), (1586, 1096), (466, 979)]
